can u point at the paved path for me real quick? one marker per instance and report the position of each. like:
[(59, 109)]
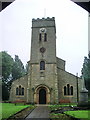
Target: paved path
[(40, 112)]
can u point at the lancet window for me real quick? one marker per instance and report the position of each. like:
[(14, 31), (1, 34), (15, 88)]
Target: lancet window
[(68, 90), (20, 90), (42, 65)]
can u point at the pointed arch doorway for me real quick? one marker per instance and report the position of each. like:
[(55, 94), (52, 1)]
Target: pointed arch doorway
[(42, 96)]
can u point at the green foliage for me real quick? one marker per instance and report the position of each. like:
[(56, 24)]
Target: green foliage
[(86, 68), (9, 109), (86, 71), (79, 114), (11, 70), (7, 63), (5, 91), (18, 68)]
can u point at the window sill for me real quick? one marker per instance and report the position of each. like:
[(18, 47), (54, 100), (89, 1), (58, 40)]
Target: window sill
[(68, 95), (20, 96)]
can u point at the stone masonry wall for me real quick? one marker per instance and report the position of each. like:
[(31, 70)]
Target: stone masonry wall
[(23, 82), (46, 77), (60, 63), (65, 78)]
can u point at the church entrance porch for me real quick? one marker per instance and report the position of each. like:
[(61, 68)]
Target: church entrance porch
[(42, 95)]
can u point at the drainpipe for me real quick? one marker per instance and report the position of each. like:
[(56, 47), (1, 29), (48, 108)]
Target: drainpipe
[(77, 87)]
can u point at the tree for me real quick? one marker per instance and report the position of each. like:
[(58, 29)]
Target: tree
[(18, 68), (7, 63), (5, 91), (86, 72), (11, 70)]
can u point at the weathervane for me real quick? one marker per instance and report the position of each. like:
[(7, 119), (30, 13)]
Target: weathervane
[(44, 12)]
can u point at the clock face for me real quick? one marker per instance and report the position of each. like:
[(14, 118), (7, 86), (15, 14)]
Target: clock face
[(42, 30), (42, 50)]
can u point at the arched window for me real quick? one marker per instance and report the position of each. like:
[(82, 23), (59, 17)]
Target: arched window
[(65, 90), (68, 90), (17, 91), (42, 65), (45, 37), (40, 37), (22, 91), (71, 90)]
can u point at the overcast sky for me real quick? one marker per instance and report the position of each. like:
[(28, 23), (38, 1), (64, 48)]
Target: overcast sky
[(71, 29)]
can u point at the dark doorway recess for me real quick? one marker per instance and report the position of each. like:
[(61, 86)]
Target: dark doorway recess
[(42, 96)]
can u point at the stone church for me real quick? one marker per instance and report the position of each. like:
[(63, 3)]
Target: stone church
[(47, 81)]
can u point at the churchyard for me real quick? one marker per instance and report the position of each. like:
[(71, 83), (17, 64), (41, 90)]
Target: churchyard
[(61, 111)]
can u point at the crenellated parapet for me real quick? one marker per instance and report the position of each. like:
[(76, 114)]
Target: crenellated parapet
[(43, 19), (43, 22)]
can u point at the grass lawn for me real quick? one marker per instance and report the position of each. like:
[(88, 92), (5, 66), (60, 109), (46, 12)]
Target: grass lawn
[(9, 109), (81, 114), (84, 114), (0, 111)]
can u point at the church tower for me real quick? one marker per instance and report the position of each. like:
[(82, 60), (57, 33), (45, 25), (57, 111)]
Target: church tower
[(43, 41), (43, 68)]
